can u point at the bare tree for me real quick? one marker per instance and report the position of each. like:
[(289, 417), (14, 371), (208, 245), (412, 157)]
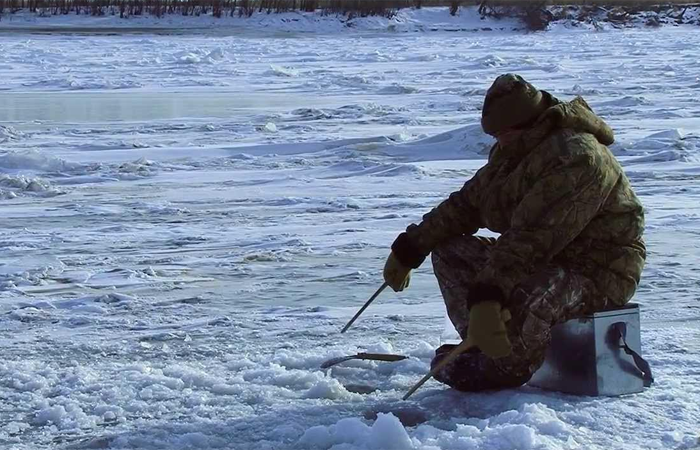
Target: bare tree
[(454, 6)]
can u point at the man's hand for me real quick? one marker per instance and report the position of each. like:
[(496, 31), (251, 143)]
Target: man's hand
[(487, 329), (396, 275)]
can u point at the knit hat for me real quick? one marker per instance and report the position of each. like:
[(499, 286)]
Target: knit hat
[(510, 102)]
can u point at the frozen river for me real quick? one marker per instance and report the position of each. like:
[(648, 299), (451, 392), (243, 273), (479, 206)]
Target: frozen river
[(188, 220)]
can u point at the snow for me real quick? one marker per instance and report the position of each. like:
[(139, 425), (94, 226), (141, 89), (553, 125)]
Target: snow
[(189, 219)]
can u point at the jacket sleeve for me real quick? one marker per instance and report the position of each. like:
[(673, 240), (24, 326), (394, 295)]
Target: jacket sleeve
[(455, 216), (560, 203)]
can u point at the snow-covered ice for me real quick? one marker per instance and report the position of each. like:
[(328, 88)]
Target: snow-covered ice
[(189, 220)]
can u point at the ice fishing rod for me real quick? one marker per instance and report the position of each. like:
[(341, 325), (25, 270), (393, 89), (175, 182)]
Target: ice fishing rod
[(371, 299), (363, 356)]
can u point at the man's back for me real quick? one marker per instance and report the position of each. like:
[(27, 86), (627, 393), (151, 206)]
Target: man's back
[(557, 195)]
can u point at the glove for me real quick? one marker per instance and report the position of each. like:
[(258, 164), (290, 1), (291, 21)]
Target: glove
[(396, 275), (487, 329)]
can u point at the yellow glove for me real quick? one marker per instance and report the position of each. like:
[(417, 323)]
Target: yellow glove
[(487, 329), (396, 275)]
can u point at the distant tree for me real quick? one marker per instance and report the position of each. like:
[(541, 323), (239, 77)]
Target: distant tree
[(307, 5), (454, 6), (536, 16), (247, 8)]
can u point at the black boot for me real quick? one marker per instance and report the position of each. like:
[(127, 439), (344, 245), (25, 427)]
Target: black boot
[(472, 371)]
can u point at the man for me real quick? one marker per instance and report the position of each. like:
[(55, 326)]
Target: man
[(570, 236)]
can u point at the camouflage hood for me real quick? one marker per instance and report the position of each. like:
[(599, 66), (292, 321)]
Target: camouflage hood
[(557, 196), (575, 115), (578, 116)]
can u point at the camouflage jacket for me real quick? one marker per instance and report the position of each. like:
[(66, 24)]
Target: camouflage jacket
[(557, 196)]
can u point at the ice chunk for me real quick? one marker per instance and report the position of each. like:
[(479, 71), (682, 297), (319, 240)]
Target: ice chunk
[(16, 427), (9, 133), (380, 347), (316, 437), (350, 430), (329, 388), (52, 414), (13, 185), (282, 71), (388, 434), (269, 127), (189, 58)]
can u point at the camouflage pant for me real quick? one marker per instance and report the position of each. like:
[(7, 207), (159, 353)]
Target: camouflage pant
[(551, 295)]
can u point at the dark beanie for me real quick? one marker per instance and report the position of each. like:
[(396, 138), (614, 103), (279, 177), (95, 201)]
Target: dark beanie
[(510, 102)]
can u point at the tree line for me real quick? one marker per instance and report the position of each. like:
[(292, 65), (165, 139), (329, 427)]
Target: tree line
[(217, 8), (246, 8)]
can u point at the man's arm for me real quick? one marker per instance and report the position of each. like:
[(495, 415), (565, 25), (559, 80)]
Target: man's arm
[(559, 205), (457, 215)]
